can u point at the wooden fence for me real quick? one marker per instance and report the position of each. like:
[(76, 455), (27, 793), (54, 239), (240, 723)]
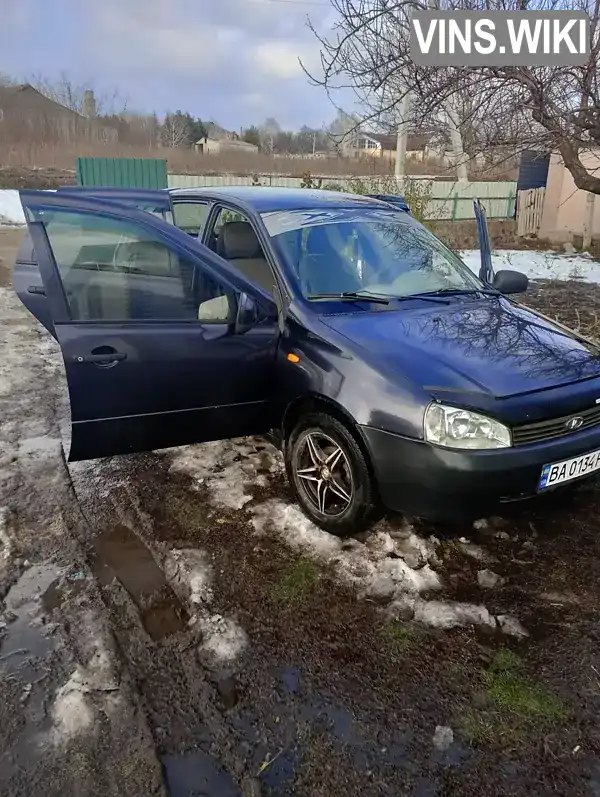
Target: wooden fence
[(530, 204)]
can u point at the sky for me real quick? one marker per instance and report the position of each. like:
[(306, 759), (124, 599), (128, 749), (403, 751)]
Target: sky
[(230, 61)]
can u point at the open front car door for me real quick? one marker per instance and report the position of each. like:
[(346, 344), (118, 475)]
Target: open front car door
[(164, 342)]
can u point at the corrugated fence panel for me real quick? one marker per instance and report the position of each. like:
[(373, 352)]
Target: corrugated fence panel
[(449, 199), (122, 172)]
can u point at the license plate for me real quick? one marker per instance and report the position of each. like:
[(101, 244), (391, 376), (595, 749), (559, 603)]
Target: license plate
[(569, 469)]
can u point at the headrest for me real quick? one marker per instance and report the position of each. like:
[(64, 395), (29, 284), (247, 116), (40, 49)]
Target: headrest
[(238, 239)]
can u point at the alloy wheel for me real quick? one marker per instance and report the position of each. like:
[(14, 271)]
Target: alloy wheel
[(323, 473)]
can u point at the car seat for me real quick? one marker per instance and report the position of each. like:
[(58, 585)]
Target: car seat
[(237, 242), (323, 268)]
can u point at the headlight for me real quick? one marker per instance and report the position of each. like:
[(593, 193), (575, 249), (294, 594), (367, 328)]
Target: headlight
[(454, 428)]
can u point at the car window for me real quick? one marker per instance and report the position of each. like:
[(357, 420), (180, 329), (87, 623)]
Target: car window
[(224, 216), (233, 238), (162, 213), (190, 216), (382, 252), (114, 270)]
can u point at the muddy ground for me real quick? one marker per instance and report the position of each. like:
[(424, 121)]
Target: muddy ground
[(171, 624)]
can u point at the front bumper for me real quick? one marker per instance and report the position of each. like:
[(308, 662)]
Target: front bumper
[(442, 484)]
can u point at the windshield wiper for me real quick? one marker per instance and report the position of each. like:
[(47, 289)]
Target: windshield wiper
[(352, 296), (460, 292), (378, 298)]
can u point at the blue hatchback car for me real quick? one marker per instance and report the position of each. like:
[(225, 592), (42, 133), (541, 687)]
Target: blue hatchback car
[(393, 376)]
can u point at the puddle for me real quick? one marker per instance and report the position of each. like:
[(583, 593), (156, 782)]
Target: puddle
[(278, 778), (594, 781), (338, 722), (120, 554), (61, 590), (453, 756), (197, 774), (25, 640), (425, 788), (291, 680)]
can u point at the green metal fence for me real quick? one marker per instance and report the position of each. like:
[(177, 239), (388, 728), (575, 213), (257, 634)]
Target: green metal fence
[(122, 172)]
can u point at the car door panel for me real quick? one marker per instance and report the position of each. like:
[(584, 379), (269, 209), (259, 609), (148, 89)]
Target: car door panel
[(143, 380), (165, 373)]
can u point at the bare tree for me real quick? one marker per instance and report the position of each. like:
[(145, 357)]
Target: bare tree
[(554, 108), (175, 131), (72, 94)]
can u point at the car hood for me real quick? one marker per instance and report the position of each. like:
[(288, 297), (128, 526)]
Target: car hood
[(487, 345)]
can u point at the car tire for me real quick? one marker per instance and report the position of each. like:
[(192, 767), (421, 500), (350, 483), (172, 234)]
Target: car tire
[(340, 500)]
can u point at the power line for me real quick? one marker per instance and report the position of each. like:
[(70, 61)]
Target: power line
[(295, 2)]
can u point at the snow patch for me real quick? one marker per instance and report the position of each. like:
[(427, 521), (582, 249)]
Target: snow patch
[(374, 568), (447, 614), (539, 265), (443, 737), (222, 638), (11, 209), (214, 465), (190, 573), (71, 712), (6, 543), (511, 626), (393, 564)]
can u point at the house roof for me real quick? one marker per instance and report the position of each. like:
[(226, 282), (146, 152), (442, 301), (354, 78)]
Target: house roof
[(26, 95), (216, 132), (236, 142), (415, 141)]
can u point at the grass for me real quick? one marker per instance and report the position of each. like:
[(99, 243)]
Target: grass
[(297, 584), (187, 510), (517, 704), (398, 637)]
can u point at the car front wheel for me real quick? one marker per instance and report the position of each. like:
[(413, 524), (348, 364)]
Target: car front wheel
[(329, 475)]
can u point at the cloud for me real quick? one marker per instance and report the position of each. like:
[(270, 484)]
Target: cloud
[(234, 61), (278, 59), (226, 50)]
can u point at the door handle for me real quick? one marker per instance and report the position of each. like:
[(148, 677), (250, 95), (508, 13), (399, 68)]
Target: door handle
[(101, 359), (37, 290)]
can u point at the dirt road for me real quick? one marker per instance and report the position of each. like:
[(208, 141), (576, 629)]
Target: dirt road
[(171, 624)]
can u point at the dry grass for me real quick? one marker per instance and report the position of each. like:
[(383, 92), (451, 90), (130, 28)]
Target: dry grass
[(27, 154)]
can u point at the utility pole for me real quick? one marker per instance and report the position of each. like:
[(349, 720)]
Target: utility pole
[(455, 135), (458, 153), (403, 112)]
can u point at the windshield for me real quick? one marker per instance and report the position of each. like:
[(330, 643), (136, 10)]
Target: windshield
[(370, 251)]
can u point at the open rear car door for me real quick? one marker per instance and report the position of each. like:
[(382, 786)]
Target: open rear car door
[(164, 342)]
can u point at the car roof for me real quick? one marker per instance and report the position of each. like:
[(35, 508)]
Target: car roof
[(266, 199)]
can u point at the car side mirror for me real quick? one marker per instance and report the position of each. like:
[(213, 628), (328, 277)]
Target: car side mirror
[(247, 315), (509, 282)]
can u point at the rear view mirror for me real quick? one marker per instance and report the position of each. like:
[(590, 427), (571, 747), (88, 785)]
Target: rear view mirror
[(215, 311), (509, 282)]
